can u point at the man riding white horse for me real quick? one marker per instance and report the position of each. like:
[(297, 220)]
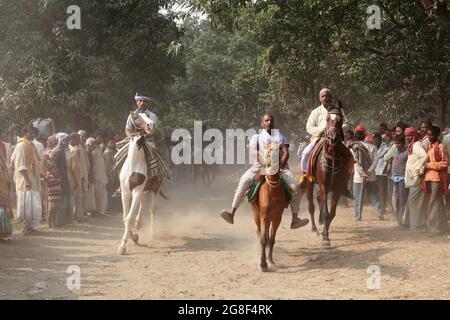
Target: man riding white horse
[(158, 168), (257, 144)]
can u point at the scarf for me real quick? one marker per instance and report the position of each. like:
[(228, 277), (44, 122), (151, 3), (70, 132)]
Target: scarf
[(411, 132), (426, 185), (31, 156)]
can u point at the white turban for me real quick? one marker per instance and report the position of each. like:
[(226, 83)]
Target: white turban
[(139, 96), (61, 136), (90, 141)]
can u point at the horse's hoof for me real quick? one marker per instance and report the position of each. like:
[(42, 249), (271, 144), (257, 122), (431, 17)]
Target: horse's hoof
[(326, 243), (135, 238), (265, 269), (122, 250)]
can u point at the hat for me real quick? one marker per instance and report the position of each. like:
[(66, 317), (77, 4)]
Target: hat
[(410, 131), (335, 111), (360, 127), (141, 96)]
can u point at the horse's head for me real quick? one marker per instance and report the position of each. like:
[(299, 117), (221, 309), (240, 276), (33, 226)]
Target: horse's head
[(144, 125), (334, 125)]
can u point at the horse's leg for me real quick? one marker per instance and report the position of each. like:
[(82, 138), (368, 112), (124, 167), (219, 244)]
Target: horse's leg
[(138, 220), (134, 204), (257, 220), (264, 240), (334, 201), (273, 232), (311, 208), (126, 201), (154, 196)]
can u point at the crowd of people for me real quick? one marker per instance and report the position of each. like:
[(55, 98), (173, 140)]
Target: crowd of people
[(403, 169), (63, 180)]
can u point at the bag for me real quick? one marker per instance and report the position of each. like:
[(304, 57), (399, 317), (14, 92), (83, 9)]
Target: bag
[(5, 224), (45, 127)]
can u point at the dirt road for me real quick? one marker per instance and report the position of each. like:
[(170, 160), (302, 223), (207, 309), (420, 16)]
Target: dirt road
[(196, 255)]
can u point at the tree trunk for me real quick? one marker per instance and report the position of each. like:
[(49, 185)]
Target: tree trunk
[(444, 105)]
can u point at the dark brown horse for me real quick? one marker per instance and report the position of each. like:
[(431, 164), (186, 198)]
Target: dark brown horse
[(332, 164), (268, 206)]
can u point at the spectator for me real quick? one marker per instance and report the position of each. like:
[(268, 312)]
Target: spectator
[(365, 155), (399, 158), (108, 154), (54, 192), (75, 175), (58, 156), (381, 171), (99, 175), (436, 183), (416, 205), (26, 176)]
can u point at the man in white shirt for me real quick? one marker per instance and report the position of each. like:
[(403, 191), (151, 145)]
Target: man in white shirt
[(257, 145), (364, 176), (143, 105), (316, 126)]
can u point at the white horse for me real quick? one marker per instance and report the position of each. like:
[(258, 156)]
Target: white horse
[(133, 178)]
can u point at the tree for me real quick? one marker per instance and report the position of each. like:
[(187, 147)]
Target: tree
[(82, 78)]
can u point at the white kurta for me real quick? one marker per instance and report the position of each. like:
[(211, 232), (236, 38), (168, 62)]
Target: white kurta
[(29, 208)]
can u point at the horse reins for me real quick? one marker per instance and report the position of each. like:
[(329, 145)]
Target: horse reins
[(273, 184)]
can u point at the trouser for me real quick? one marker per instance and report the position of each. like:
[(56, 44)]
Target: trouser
[(447, 202), (51, 213), (62, 209), (436, 218), (371, 190), (110, 189), (78, 209), (382, 183), (100, 197), (399, 198), (248, 178), (305, 156), (70, 208)]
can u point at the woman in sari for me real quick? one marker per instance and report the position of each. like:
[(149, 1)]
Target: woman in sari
[(6, 213)]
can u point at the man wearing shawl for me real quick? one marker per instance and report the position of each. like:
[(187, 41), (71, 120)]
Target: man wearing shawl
[(59, 157), (365, 155), (99, 175), (157, 167), (26, 177), (436, 183), (75, 175), (417, 203), (87, 199)]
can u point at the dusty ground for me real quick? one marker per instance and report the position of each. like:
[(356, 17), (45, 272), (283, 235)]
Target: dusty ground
[(196, 255)]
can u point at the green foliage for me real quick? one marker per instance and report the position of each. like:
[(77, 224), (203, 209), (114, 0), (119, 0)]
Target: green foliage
[(82, 78)]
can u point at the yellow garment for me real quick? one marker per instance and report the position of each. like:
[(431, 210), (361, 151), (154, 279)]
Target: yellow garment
[(25, 158)]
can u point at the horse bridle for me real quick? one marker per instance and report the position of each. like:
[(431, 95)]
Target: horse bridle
[(273, 183)]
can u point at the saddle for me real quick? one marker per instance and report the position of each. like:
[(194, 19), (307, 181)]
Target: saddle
[(254, 189)]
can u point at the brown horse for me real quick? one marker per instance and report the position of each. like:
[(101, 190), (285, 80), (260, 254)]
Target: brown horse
[(269, 205), (332, 164)]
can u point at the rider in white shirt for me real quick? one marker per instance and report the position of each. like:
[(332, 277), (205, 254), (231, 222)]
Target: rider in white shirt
[(257, 144)]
